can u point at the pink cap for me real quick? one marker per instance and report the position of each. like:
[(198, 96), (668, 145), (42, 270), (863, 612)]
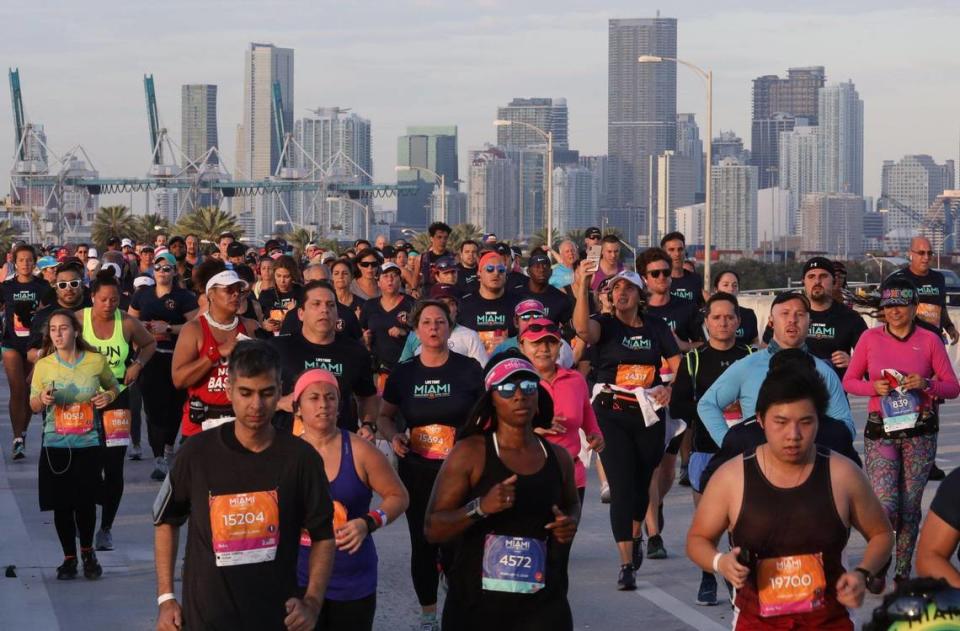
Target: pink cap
[(539, 328), (527, 306), (317, 375), (506, 368)]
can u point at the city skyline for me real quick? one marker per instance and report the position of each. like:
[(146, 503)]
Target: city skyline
[(562, 54)]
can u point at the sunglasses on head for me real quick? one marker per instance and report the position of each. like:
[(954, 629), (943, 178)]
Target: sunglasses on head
[(506, 390), (531, 315), (72, 284), (368, 264), (163, 268), (657, 273), (549, 328), (499, 269)]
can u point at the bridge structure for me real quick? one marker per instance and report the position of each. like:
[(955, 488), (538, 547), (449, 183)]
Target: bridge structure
[(54, 196)]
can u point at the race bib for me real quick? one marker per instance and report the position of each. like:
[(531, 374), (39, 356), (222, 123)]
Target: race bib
[(492, 339), (929, 313), (73, 418), (899, 411), (340, 520), (19, 328), (245, 527), (433, 442), (635, 375), (514, 564), (791, 584), (277, 314), (733, 414), (298, 428), (116, 428)]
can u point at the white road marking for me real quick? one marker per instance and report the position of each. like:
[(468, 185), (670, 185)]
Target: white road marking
[(678, 609)]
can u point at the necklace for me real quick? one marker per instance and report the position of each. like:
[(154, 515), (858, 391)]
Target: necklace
[(763, 461), (223, 327)]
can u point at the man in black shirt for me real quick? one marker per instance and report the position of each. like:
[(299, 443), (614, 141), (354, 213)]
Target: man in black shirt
[(685, 284), (317, 345), (557, 305), (467, 274), (489, 311), (697, 372), (248, 491), (931, 287), (439, 234)]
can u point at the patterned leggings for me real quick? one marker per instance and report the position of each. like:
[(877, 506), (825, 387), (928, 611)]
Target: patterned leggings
[(898, 470)]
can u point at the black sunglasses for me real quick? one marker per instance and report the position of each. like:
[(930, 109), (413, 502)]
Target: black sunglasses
[(368, 264), (657, 273), (163, 268), (507, 390), (73, 284), (549, 328)]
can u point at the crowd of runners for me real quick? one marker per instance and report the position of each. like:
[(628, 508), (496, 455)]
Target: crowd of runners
[(297, 402)]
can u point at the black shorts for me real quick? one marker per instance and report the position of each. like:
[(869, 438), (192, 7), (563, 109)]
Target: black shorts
[(673, 447)]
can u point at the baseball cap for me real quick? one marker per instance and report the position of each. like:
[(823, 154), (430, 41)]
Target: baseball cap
[(503, 249), (113, 241), (316, 375), (444, 263), (630, 277), (508, 368), (389, 252), (92, 253), (786, 296), (528, 306), (176, 239), (71, 262), (539, 328), (126, 243), (329, 255), (236, 249), (146, 248), (143, 281), (166, 256), (441, 290), (389, 267), (538, 258), (226, 278), (818, 262), (592, 233), (898, 292), (46, 262)]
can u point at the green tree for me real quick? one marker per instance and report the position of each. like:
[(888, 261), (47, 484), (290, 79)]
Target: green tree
[(539, 238), (577, 235), (7, 235), (146, 227), (460, 233), (112, 221), (299, 238), (208, 223)]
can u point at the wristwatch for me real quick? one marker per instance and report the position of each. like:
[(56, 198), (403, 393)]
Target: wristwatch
[(866, 573), (474, 512)]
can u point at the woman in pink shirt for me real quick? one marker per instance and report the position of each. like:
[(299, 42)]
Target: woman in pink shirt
[(540, 343), (904, 369)]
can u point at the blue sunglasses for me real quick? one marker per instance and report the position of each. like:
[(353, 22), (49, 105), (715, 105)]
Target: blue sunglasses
[(508, 389)]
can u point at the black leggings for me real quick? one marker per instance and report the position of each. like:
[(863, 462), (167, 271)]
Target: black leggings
[(162, 402), (136, 402), (631, 453), (348, 615), (70, 521), (112, 489), (419, 478)]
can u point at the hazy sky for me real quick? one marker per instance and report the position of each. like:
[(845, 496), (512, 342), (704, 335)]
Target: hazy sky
[(408, 62)]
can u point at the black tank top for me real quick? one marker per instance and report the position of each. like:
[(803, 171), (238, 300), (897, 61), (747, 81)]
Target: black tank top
[(470, 606), (779, 522)]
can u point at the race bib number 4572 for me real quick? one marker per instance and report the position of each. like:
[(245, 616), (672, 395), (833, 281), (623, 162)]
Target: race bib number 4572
[(514, 564), (245, 527)]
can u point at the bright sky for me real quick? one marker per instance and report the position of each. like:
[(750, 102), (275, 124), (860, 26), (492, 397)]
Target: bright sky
[(410, 62)]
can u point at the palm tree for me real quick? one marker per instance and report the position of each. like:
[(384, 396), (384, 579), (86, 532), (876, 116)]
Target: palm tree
[(299, 238), (577, 235), (539, 238), (421, 242), (7, 235), (112, 221), (208, 223), (146, 227), (460, 233)]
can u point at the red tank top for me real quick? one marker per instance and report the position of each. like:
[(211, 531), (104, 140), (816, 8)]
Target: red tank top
[(212, 389)]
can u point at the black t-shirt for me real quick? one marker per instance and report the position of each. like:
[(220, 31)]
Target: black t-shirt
[(932, 291), (688, 287), (558, 305), (386, 348), (632, 356), (20, 301), (442, 395), (38, 325), (835, 329), (491, 319), (707, 364), (275, 304), (347, 323), (747, 331), (467, 279), (346, 358), (946, 503), (426, 260), (682, 316), (171, 308), (223, 487)]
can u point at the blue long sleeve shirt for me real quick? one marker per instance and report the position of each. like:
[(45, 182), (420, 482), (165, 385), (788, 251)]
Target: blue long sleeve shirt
[(742, 380)]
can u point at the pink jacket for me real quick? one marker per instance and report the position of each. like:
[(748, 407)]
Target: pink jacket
[(921, 353), (571, 400)]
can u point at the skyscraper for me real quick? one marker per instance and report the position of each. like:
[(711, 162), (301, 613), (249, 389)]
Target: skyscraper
[(336, 146), (493, 191), (734, 205), (258, 148), (799, 167), (833, 224), (574, 198), (676, 187), (433, 147), (690, 146), (840, 114), (908, 187), (775, 102), (198, 122), (729, 145), (641, 110), (548, 114)]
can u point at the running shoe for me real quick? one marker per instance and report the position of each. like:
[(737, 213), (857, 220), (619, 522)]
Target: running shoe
[(604, 493), (91, 567), (135, 453), (104, 540), (626, 581), (684, 476), (637, 553), (707, 594), (160, 469), (67, 571), (936, 473), (19, 448), (655, 549)]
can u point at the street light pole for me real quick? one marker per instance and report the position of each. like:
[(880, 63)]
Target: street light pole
[(707, 76), (548, 165)]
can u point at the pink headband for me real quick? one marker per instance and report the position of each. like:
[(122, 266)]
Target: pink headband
[(505, 369), (317, 375)]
